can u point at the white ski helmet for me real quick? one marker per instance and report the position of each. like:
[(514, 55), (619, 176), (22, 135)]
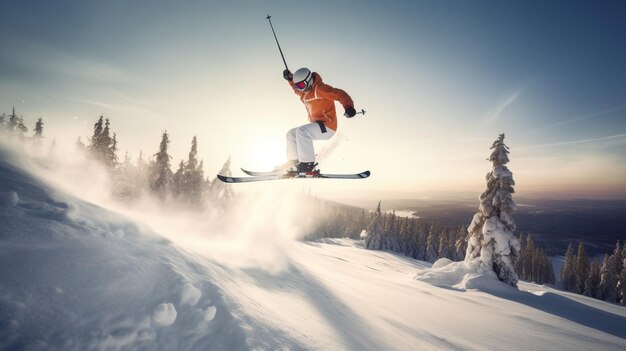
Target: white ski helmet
[(303, 79)]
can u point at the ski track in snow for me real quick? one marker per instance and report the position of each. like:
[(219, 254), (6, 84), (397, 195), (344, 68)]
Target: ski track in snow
[(76, 276)]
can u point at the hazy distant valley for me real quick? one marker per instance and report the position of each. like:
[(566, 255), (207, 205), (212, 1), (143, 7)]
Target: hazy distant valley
[(553, 223)]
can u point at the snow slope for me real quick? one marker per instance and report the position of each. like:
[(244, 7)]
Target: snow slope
[(76, 276), (336, 295)]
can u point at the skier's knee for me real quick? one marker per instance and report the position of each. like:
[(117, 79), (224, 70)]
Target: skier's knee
[(303, 133)]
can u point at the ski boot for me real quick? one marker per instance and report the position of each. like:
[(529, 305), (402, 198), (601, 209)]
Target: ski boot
[(306, 169)]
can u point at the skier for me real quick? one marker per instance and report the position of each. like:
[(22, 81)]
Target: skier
[(319, 99)]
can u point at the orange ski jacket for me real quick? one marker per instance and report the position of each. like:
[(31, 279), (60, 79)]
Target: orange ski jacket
[(320, 101)]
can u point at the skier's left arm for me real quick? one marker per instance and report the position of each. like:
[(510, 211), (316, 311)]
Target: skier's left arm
[(328, 92)]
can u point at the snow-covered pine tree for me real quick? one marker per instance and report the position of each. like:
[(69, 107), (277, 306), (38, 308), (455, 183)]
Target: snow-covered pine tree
[(569, 278), (161, 178), (525, 261), (193, 177), (460, 245), (617, 262), (491, 239), (607, 289), (95, 145), (14, 121), (373, 238), (178, 185), (582, 267), (112, 159), (38, 129), (442, 248), (617, 258), (142, 174), (221, 191), (124, 177), (622, 283), (3, 121), (21, 127), (431, 245), (543, 268), (593, 280)]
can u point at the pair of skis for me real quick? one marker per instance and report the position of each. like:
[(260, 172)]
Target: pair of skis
[(262, 176)]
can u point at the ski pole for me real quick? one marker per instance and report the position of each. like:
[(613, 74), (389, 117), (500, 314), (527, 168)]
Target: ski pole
[(279, 49)]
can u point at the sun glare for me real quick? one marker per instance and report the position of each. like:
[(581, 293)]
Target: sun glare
[(265, 154)]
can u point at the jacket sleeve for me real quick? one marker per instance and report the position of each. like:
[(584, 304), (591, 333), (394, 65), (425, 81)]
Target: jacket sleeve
[(325, 91)]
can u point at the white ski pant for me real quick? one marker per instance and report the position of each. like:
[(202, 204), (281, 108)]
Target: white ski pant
[(300, 141)]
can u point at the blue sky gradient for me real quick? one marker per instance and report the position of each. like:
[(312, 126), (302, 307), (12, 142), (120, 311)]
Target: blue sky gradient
[(439, 79)]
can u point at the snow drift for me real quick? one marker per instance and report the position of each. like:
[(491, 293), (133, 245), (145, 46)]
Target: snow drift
[(78, 277)]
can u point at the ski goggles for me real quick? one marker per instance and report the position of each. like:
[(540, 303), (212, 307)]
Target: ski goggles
[(300, 85)]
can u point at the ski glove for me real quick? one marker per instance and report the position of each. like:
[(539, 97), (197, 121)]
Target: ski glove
[(350, 112), (287, 75)]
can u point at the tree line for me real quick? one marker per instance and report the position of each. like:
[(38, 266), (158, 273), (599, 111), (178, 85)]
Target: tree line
[(154, 175), (415, 238), (132, 179), (534, 264), (14, 125), (606, 281), (431, 241)]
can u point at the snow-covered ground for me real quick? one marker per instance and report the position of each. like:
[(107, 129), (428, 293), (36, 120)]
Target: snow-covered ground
[(79, 276)]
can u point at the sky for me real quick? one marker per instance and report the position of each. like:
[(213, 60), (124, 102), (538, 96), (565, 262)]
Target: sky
[(439, 81)]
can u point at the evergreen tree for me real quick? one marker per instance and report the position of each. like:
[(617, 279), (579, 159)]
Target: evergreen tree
[(21, 127), (582, 268), (622, 283), (13, 121), (193, 176), (545, 271), (373, 238), (103, 147), (220, 190), (431, 245), (522, 262), (95, 146), (617, 258), (534, 264), (461, 245), (593, 280), (178, 182), (3, 121), (491, 238), (125, 186), (112, 159), (142, 174), (162, 173), (443, 248), (38, 129), (569, 279), (608, 280)]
